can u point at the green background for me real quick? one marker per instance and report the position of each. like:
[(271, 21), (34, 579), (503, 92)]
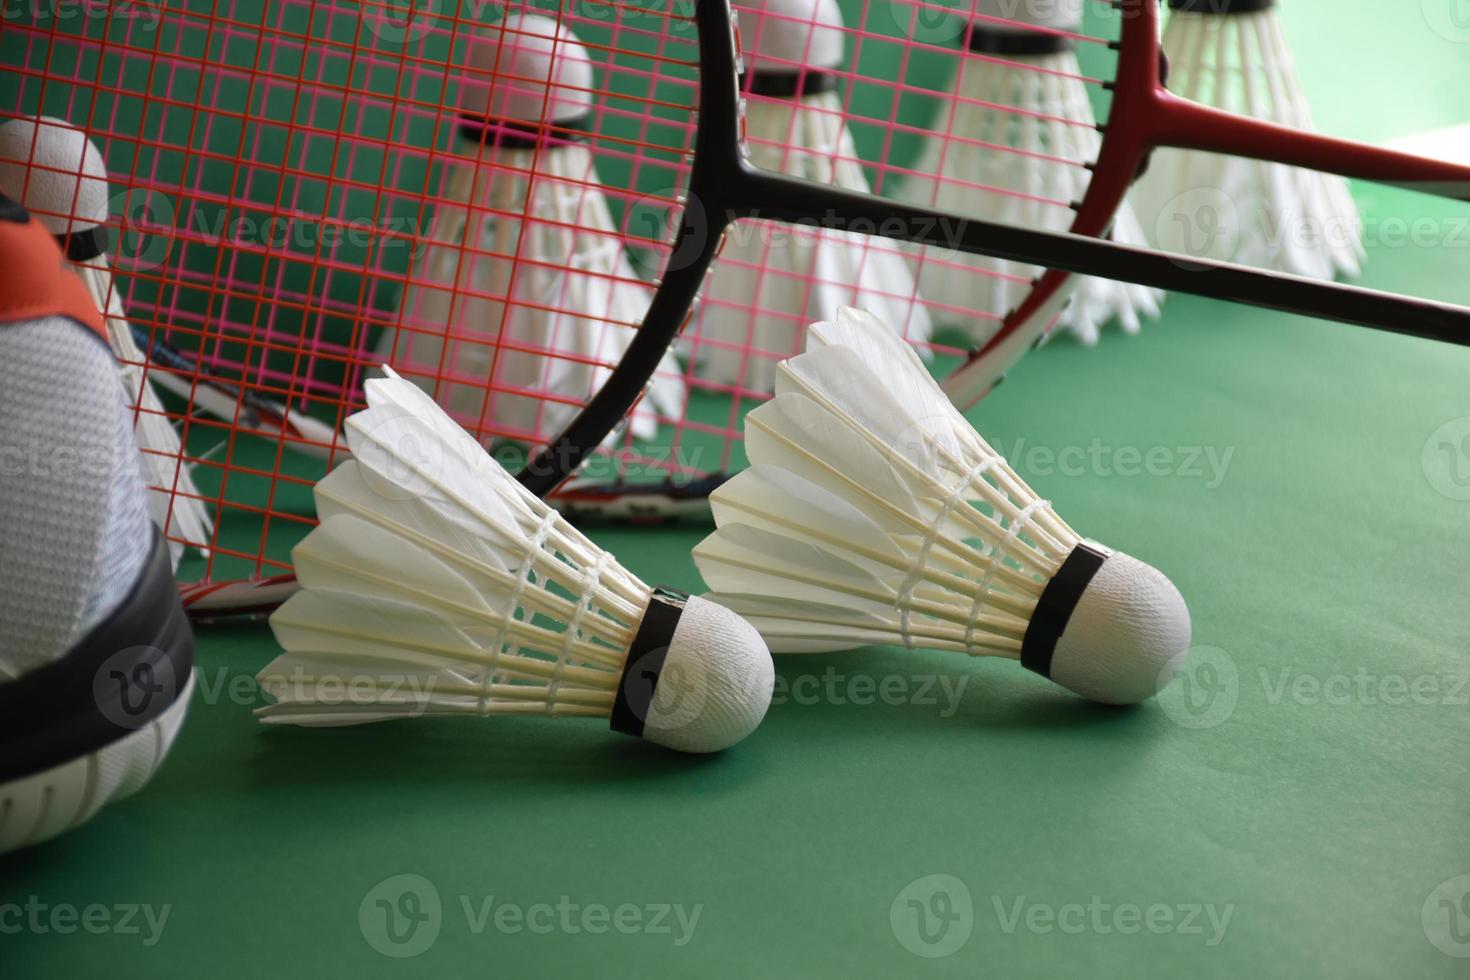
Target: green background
[(1334, 546)]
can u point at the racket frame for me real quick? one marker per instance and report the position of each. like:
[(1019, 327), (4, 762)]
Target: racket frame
[(725, 187)]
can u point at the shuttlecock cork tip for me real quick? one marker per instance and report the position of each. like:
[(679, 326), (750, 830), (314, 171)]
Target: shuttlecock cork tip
[(52, 168), (1108, 627), (788, 35), (714, 685), (528, 68)]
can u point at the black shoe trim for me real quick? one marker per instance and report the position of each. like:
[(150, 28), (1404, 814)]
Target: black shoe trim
[(120, 677)]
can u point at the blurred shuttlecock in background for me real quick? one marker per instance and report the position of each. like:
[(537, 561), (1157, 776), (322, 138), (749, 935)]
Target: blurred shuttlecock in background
[(512, 322), (59, 174), (436, 584), (1232, 54), (1012, 144), (874, 513), (771, 280)]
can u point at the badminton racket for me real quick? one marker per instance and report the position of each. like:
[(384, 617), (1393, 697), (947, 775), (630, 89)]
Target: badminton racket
[(241, 409), (292, 166), (724, 188), (1144, 116)]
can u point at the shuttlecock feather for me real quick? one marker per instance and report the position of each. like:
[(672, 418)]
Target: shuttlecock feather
[(54, 169), (437, 585), (1015, 137), (771, 280), (525, 294), (874, 513), (1233, 56)]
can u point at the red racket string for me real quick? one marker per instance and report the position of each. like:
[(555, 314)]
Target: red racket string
[(276, 185)]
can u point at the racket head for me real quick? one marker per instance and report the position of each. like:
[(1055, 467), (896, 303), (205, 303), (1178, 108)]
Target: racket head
[(276, 186)]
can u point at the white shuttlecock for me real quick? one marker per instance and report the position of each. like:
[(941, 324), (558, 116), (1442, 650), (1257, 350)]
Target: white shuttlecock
[(431, 585), (1232, 55), (56, 171), (1012, 145), (772, 280), (874, 513), (512, 321)]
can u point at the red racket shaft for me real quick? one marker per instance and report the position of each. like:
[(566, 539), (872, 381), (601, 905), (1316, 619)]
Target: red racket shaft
[(1146, 116)]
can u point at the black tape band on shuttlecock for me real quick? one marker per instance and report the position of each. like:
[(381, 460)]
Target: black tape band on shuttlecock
[(126, 672), (1020, 44), (13, 211), (1222, 7), (507, 134), (645, 663), (789, 84), (84, 246), (1055, 606)]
